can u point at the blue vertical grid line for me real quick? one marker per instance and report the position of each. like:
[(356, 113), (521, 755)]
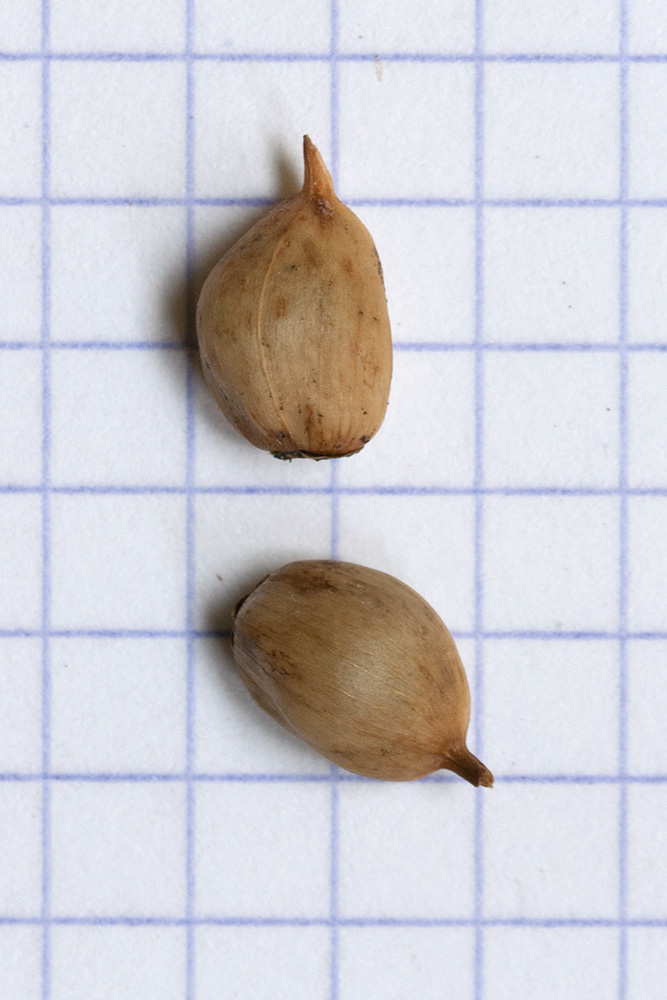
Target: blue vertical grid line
[(334, 848), (190, 942), (46, 506), (623, 506), (479, 497)]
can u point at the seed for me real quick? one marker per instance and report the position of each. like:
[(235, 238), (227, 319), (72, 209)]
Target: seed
[(293, 327), (361, 667)]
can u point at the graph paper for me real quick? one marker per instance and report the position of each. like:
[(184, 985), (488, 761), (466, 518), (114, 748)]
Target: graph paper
[(160, 837)]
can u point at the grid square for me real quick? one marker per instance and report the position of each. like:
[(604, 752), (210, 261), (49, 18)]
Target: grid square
[(274, 104), (551, 563), (647, 27), (20, 849), (21, 547), (128, 135), (647, 962), (24, 33), (373, 164), (118, 705), (429, 272), (647, 564), (551, 419), (20, 272), (138, 293), (21, 129), (21, 418), (100, 963), (21, 962), (551, 275), (118, 849), (439, 563), (233, 735), (555, 26), (254, 26), (394, 963), (647, 131), (392, 863), (283, 864), (118, 26), (104, 399), (118, 562), (551, 851), (647, 706), (554, 963), (20, 705), (551, 131), (533, 695), (288, 962), (427, 438), (647, 412), (647, 842), (647, 261), (245, 552), (427, 26)]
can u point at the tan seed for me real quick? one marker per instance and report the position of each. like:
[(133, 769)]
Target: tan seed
[(359, 666), (293, 327)]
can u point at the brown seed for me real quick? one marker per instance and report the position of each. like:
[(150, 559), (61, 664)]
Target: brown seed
[(293, 327), (361, 667)]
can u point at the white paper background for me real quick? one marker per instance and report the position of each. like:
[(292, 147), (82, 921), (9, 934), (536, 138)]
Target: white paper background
[(161, 838)]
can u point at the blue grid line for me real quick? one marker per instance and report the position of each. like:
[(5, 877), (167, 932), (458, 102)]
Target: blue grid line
[(478, 899), (338, 491), (134, 633), (144, 201), (623, 506), (46, 519), (348, 57), (295, 921), (190, 310), (403, 346), (46, 508), (334, 822), (250, 777)]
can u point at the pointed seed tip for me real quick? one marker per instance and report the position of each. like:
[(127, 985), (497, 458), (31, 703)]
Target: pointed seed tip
[(486, 778), (467, 766), (317, 179)]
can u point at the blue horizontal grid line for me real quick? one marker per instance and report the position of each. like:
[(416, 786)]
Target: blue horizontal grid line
[(300, 921), (133, 633), (251, 201), (147, 201), (328, 490), (250, 777), (400, 345), (341, 57)]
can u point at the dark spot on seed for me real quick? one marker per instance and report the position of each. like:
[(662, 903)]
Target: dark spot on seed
[(280, 308), (311, 253)]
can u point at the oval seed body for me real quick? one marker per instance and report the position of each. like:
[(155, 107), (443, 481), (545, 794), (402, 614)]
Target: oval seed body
[(359, 666), (293, 327)]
